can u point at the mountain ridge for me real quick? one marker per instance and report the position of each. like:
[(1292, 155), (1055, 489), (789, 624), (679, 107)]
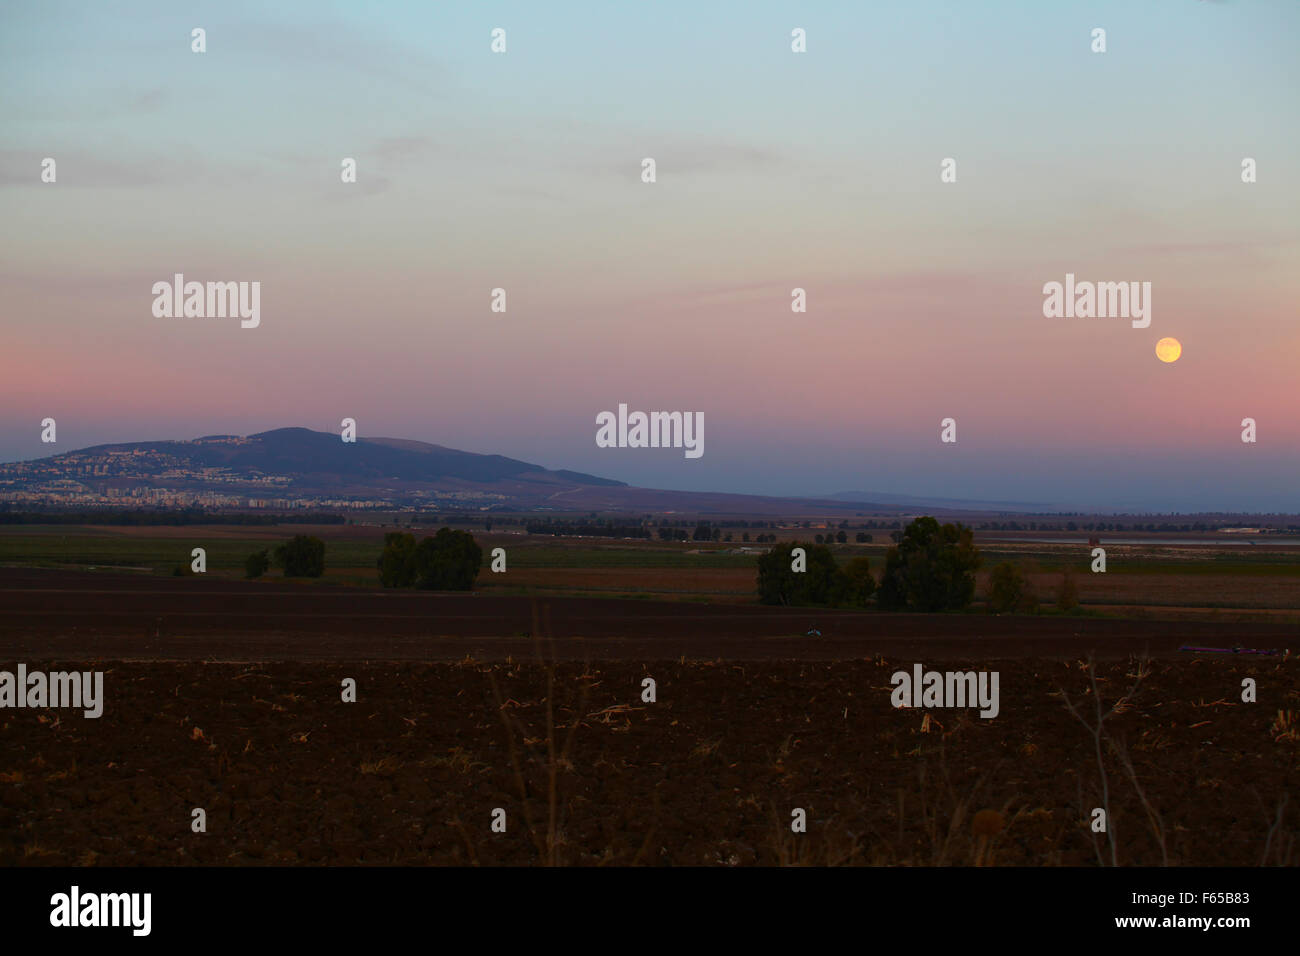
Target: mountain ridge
[(295, 467), (308, 453)]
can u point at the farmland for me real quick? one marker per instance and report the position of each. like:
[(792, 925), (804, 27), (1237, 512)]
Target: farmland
[(709, 774), (1140, 580), (526, 696)]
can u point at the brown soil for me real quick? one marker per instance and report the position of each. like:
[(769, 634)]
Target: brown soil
[(82, 615), (708, 774)]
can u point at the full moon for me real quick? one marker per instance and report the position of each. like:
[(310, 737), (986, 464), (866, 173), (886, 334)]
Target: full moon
[(1168, 350)]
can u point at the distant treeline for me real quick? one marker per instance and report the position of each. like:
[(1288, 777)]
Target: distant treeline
[(584, 529), (1121, 526), (141, 516)]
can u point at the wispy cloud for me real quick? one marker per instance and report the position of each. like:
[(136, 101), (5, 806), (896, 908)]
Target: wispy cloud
[(403, 147), (697, 159), (341, 47), (1215, 247), (80, 168)]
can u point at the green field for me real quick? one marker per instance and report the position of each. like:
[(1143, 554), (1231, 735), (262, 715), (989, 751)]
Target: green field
[(78, 546), (1137, 580), (348, 547)]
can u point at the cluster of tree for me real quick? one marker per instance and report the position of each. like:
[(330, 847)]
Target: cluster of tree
[(684, 523), (448, 561), (932, 568), (840, 537), (584, 529), (148, 516), (1010, 590), (813, 579), (257, 564), (302, 556), (704, 531)]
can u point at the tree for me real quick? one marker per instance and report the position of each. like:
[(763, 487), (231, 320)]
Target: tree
[(932, 568), (778, 583), (1010, 590), (822, 583), (1067, 596), (449, 561), (858, 584), (397, 561), (863, 538), (702, 532), (303, 556), (256, 564), (841, 537)]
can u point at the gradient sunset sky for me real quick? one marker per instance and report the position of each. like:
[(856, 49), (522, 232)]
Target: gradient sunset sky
[(775, 170)]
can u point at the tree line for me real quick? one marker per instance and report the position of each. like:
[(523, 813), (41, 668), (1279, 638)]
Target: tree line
[(447, 561), (583, 529), (930, 568)]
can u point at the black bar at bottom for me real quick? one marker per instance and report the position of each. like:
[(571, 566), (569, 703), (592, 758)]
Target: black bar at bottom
[(643, 907)]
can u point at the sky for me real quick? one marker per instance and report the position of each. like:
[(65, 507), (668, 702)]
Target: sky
[(775, 170)]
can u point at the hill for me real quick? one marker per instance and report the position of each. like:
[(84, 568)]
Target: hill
[(300, 468)]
